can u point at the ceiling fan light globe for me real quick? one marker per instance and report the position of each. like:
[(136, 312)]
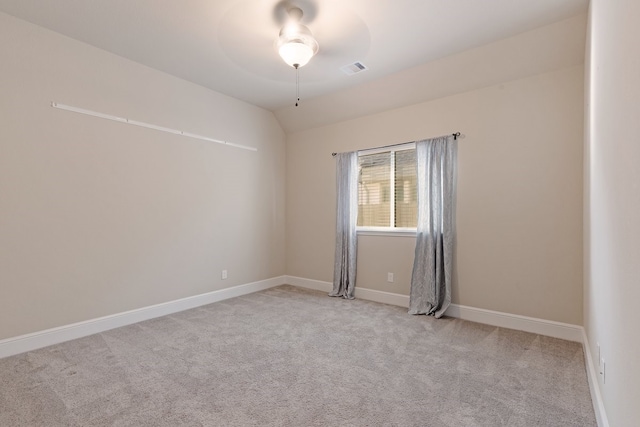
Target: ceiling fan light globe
[(296, 54)]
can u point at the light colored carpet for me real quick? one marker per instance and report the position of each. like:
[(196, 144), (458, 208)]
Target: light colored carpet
[(292, 357)]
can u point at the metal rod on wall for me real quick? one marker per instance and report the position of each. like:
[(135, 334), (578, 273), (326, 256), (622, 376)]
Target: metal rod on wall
[(456, 135), (147, 125)]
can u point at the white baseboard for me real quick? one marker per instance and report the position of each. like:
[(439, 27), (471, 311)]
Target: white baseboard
[(363, 293), (504, 320), (594, 385), (315, 285), (383, 297), (48, 337), (534, 325), (33, 341)]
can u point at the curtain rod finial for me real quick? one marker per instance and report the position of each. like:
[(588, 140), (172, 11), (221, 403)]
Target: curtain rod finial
[(334, 154)]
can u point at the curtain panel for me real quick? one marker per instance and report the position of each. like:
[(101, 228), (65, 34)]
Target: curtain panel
[(433, 263), (344, 269)]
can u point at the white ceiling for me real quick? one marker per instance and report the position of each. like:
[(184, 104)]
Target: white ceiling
[(228, 45)]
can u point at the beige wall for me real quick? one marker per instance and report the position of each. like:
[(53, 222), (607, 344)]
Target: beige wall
[(612, 204), (99, 217), (519, 195)]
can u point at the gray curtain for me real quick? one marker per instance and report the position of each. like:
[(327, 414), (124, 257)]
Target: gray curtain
[(433, 264), (344, 268)]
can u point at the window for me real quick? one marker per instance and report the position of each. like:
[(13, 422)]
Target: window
[(387, 195)]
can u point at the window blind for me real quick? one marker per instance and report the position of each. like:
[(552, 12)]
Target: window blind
[(387, 189)]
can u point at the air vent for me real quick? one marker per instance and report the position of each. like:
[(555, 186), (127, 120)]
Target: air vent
[(354, 68)]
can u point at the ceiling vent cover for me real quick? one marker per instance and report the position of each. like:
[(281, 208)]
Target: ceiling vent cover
[(354, 68)]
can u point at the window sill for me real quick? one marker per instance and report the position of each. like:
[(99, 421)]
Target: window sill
[(400, 232)]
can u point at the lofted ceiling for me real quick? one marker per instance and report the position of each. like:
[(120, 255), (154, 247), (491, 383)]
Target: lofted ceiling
[(228, 45)]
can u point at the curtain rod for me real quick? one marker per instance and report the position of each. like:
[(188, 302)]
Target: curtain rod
[(455, 135)]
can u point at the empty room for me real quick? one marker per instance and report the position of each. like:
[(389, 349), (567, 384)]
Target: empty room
[(319, 213)]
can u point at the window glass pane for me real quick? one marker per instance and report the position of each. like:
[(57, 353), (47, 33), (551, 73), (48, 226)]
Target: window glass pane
[(406, 206), (387, 194), (374, 191)]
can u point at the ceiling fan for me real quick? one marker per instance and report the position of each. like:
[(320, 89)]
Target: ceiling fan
[(256, 35), (296, 45)]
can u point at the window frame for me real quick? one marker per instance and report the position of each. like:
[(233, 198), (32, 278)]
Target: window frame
[(388, 231)]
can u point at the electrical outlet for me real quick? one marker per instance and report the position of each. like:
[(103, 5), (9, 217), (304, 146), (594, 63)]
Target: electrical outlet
[(390, 277), (224, 274)]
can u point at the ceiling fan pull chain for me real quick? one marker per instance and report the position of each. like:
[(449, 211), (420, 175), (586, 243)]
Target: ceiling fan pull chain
[(297, 86)]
